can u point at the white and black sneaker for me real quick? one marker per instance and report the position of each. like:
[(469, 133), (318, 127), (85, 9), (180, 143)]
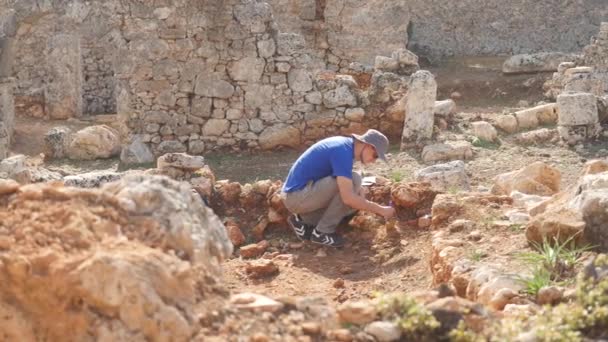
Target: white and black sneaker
[(331, 240), (302, 230)]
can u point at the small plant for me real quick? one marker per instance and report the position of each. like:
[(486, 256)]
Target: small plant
[(558, 258), (415, 321), (539, 279), (397, 176)]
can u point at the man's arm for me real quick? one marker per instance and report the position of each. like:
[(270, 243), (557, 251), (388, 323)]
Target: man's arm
[(356, 201)]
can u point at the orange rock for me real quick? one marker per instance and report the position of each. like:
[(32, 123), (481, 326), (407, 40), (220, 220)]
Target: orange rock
[(234, 233), (258, 230)]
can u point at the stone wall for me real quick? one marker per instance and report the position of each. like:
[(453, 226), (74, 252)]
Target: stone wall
[(359, 30), (91, 26), (224, 75)]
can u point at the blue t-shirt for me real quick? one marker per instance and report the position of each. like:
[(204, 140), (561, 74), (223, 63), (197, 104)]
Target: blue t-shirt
[(329, 157)]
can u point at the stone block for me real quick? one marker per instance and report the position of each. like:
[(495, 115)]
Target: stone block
[(577, 109)]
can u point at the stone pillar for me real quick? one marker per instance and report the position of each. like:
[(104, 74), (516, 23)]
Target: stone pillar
[(7, 115), (63, 93), (577, 117), (419, 108)]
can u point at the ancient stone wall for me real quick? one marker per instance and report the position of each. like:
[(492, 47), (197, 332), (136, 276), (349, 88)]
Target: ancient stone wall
[(359, 30), (224, 75)]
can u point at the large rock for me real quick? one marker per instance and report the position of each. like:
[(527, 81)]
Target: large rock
[(137, 152), (537, 62), (279, 135), (535, 179), (577, 109), (419, 108), (123, 263), (484, 131), (94, 142), (507, 123), (578, 117), (452, 150), (57, 141), (444, 177), (186, 224), (444, 108)]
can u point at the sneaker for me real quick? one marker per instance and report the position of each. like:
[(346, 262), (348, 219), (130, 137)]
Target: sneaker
[(331, 240), (302, 230)]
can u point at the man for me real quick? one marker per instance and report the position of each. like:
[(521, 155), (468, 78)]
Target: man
[(322, 189)]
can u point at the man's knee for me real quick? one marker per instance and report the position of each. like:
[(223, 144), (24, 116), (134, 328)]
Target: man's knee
[(356, 181)]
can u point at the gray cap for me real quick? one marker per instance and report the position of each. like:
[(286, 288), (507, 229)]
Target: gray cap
[(376, 139)]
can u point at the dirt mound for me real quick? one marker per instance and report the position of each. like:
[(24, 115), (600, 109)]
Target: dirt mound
[(123, 263)]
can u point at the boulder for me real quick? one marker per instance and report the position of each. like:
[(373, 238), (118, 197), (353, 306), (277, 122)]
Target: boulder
[(444, 177), (536, 179), (94, 142), (452, 150), (537, 62), (137, 152), (507, 123), (484, 131), (444, 108), (577, 109), (122, 263), (57, 141)]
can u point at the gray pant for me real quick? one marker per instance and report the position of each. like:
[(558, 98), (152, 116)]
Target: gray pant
[(319, 204)]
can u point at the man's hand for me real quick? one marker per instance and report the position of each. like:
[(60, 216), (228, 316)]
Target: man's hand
[(356, 201), (386, 212)]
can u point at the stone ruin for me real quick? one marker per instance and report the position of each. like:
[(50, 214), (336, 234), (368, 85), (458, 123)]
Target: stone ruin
[(245, 74)]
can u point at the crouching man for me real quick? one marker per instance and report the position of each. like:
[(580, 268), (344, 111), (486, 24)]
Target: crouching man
[(321, 188)]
